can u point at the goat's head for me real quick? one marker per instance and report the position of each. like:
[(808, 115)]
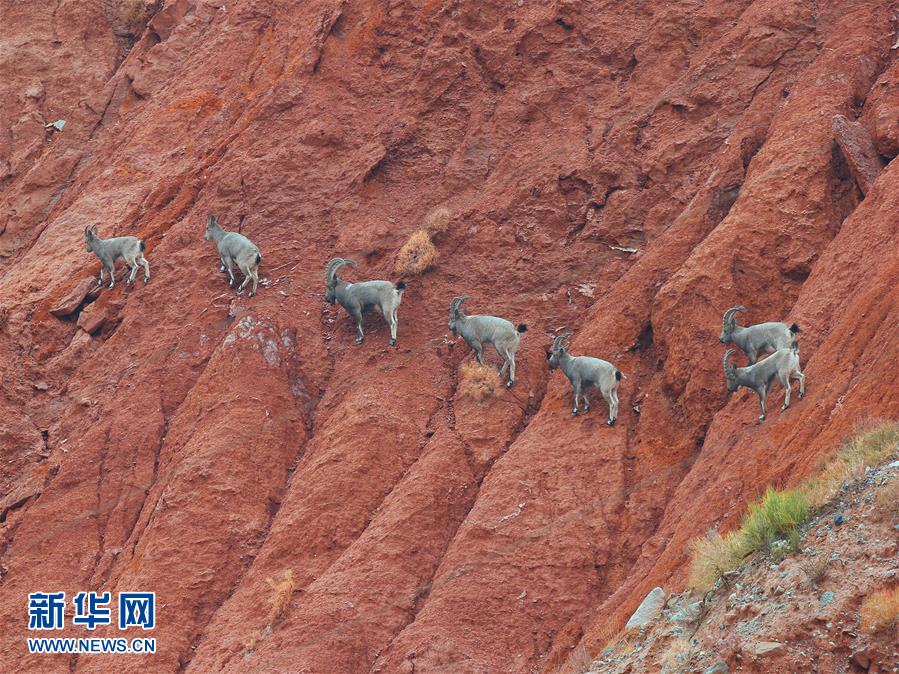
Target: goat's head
[(90, 235), (730, 372), (730, 322), (211, 225), (456, 313), (554, 356), (331, 277)]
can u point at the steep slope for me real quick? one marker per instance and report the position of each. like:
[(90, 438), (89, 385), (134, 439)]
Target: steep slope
[(200, 444)]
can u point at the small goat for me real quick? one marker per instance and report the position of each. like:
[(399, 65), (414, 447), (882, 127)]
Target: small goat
[(480, 330), (129, 248), (235, 247), (584, 372), (783, 364), (756, 340), (356, 298)]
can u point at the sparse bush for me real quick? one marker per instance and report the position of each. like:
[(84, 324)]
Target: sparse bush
[(417, 255), (713, 556), (437, 221), (880, 609), (579, 661), (134, 13), (478, 382), (815, 569), (886, 499), (678, 656), (282, 591)]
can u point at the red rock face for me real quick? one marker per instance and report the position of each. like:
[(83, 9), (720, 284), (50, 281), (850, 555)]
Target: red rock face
[(625, 171)]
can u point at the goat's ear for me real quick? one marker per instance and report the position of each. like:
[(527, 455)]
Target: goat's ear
[(210, 220)]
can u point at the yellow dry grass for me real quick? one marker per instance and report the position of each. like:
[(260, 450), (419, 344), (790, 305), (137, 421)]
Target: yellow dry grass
[(417, 254), (880, 610), (478, 382)]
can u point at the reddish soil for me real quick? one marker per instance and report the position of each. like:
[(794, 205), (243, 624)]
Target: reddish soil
[(198, 443)]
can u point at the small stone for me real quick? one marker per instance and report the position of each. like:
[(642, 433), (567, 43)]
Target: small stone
[(766, 647), (838, 519), (861, 659), (827, 598), (41, 386), (718, 668), (778, 590)]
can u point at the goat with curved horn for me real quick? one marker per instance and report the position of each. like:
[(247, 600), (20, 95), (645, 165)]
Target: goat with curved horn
[(584, 372), (480, 331), (783, 364), (356, 298), (756, 340)]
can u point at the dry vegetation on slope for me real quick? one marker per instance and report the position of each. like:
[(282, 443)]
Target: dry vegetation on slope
[(622, 170)]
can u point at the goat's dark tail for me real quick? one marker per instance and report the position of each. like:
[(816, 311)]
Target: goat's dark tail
[(617, 375), (522, 327), (258, 258), (794, 328), (143, 246), (401, 286)]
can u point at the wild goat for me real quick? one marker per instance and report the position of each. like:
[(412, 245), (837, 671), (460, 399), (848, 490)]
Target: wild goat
[(235, 247), (356, 298), (129, 248), (756, 340), (584, 372), (480, 330), (783, 364)]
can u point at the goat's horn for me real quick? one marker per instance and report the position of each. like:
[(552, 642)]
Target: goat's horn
[(557, 342), (333, 265), (730, 312), (727, 355)]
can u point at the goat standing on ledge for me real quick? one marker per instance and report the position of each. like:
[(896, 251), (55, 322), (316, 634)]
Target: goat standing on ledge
[(235, 247), (584, 372), (129, 248), (783, 364), (356, 298), (756, 340), (480, 330)]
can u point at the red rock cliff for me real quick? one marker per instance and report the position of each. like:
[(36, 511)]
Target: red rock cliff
[(177, 437)]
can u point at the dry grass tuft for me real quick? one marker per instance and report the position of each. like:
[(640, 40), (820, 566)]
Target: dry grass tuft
[(437, 221), (677, 657), (880, 609), (417, 255), (713, 556), (886, 500), (134, 13), (282, 591), (579, 661), (478, 382)]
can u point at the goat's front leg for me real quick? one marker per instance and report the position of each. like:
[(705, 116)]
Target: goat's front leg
[(102, 272), (576, 387), (787, 390), (801, 377), (612, 399), (221, 263), (230, 270), (762, 392), (478, 350), (360, 333), (111, 270), (392, 321)]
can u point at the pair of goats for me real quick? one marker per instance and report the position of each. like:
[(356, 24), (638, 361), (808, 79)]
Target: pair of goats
[(232, 247), (778, 339)]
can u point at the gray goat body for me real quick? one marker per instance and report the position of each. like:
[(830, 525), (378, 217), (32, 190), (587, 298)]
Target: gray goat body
[(756, 340), (480, 331), (584, 372), (128, 248), (235, 247), (783, 364), (356, 298)]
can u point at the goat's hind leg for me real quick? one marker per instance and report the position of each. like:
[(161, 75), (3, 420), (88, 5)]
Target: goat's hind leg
[(801, 377), (785, 381)]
